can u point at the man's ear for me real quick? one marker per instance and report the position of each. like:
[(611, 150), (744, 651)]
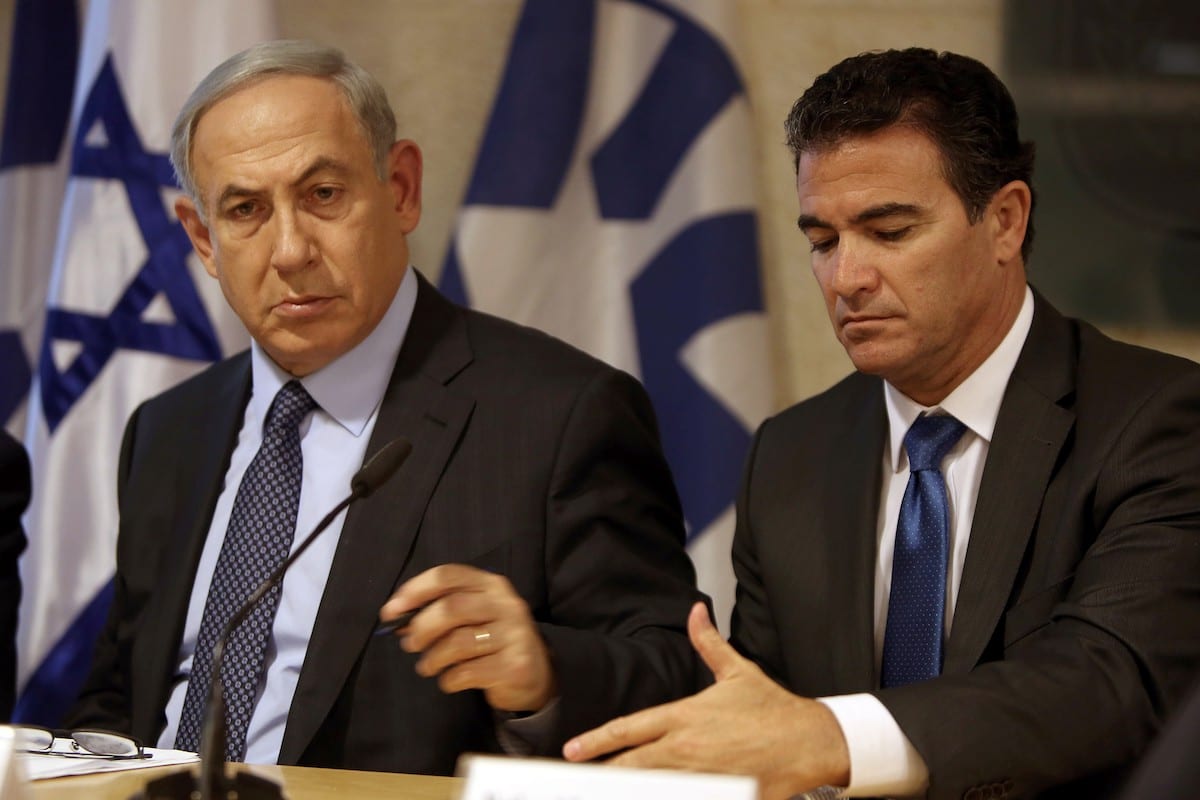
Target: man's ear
[(1009, 214), (404, 179), (197, 231)]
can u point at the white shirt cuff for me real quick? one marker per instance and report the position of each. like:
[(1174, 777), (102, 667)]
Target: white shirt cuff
[(882, 760)]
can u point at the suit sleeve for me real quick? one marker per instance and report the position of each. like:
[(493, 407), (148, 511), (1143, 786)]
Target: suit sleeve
[(1083, 689), (619, 581), (106, 698), (14, 498)]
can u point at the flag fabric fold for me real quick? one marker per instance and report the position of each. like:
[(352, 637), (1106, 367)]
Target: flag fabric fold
[(612, 205), (128, 312)]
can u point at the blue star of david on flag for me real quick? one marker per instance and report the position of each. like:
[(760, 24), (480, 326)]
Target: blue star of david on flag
[(120, 156), (616, 214)]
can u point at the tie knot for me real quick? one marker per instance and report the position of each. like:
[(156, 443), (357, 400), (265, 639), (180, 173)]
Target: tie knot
[(929, 439), (289, 407)]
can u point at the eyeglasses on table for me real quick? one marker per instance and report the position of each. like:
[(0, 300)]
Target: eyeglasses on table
[(79, 744)]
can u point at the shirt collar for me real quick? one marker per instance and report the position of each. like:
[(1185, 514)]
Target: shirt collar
[(975, 402), (351, 387)]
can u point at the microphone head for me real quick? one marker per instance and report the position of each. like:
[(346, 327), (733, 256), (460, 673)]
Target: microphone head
[(380, 467)]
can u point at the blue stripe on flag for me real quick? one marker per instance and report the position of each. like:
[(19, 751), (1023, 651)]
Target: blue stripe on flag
[(37, 110), (634, 165), (37, 107), (539, 108), (717, 259), (52, 689)]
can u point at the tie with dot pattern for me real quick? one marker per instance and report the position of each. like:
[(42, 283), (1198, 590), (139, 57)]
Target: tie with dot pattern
[(258, 539), (912, 642)]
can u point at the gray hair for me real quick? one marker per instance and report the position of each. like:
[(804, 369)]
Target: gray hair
[(365, 95)]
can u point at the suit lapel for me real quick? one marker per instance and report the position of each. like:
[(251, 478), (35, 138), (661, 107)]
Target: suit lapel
[(1030, 432), (379, 531), (202, 469)]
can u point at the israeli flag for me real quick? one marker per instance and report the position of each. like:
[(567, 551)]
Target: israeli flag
[(129, 312), (612, 205)]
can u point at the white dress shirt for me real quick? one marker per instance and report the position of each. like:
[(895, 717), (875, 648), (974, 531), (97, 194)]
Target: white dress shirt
[(333, 441), (882, 760)]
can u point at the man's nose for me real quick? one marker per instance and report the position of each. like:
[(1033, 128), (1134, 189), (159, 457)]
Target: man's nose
[(854, 268), (293, 246)]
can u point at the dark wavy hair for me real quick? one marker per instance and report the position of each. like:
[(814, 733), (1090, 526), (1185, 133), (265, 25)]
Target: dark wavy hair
[(956, 101)]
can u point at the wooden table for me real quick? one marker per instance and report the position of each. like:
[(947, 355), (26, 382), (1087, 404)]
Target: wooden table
[(300, 783)]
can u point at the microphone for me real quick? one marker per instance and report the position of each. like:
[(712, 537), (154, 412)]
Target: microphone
[(213, 782)]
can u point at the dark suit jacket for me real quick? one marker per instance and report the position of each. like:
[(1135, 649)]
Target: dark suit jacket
[(14, 498), (1171, 770), (1077, 624), (529, 459)]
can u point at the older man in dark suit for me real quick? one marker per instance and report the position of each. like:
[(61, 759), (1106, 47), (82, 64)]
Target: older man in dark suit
[(534, 524), (982, 550)]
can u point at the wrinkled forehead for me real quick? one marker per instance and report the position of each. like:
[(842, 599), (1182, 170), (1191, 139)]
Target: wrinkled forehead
[(893, 168), (273, 107), (269, 126)]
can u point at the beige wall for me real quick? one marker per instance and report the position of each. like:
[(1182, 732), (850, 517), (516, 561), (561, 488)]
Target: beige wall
[(441, 60)]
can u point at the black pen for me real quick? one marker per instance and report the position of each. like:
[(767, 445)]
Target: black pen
[(395, 624)]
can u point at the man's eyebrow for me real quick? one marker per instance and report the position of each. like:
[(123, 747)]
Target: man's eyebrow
[(234, 191), (888, 210), (807, 221), (322, 164)]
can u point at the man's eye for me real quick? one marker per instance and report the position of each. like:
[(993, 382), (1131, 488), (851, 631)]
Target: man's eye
[(822, 245), (325, 194), (893, 235), (243, 210)]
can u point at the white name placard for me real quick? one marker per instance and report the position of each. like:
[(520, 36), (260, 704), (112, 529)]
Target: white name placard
[(498, 778), (12, 778)]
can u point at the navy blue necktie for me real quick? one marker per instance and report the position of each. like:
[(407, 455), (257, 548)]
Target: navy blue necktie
[(912, 643), (258, 539)]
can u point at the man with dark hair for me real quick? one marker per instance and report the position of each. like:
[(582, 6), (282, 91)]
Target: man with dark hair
[(981, 551), (534, 527), (15, 486)]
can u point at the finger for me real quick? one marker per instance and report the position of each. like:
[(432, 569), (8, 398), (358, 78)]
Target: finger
[(649, 756), (717, 653), (619, 734), (477, 673), (495, 611), (460, 645), (432, 584)]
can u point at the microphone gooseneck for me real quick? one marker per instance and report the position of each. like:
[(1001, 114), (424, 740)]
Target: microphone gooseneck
[(213, 781), (380, 467)]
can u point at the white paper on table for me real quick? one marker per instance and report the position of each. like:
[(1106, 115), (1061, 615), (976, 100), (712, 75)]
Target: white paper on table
[(37, 766)]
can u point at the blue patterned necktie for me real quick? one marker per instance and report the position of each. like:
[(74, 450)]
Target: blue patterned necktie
[(259, 538), (912, 643)]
